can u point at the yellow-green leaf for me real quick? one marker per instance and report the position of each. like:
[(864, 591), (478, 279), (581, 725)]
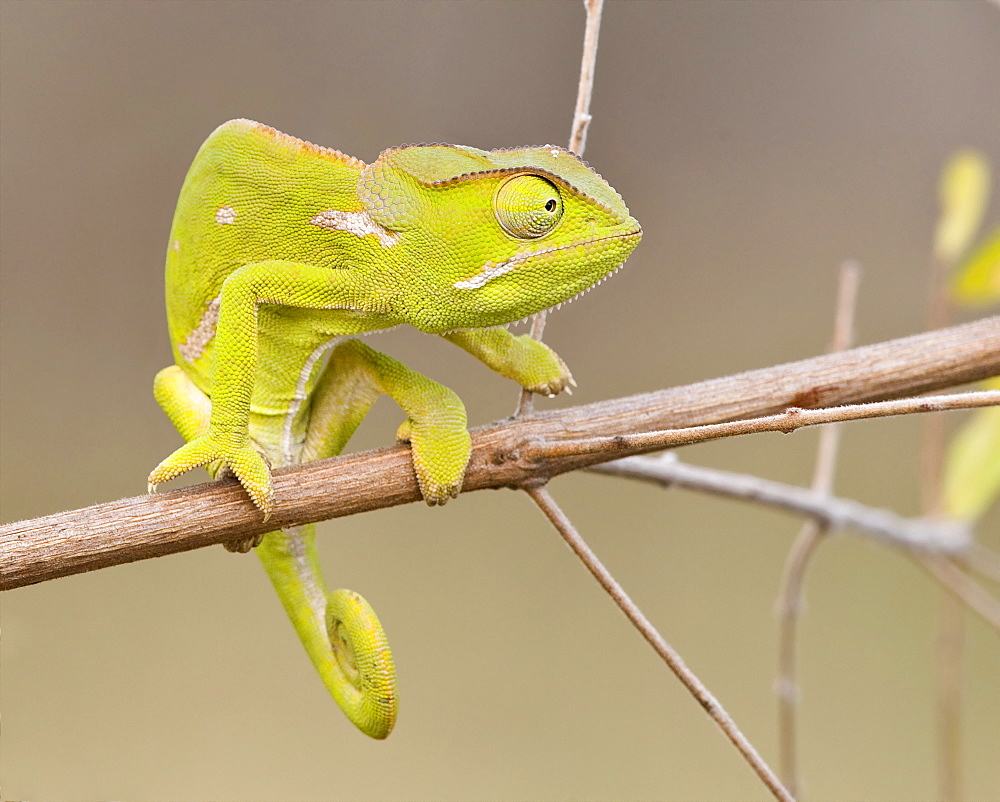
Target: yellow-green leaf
[(963, 193), (977, 282), (972, 468)]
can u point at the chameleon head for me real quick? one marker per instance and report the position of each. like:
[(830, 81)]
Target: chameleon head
[(498, 235)]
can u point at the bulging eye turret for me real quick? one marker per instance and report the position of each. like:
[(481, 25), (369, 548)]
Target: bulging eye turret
[(528, 206)]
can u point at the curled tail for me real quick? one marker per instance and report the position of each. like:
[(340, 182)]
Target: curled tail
[(339, 629)]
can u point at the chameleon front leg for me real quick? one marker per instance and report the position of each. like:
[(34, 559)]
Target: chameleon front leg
[(435, 426), (339, 629), (530, 363), (281, 283)]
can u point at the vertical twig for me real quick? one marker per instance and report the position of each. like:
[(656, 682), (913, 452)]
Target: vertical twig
[(577, 142), (790, 597), (565, 527), (950, 619), (933, 447), (951, 636), (964, 590), (982, 561), (581, 115)]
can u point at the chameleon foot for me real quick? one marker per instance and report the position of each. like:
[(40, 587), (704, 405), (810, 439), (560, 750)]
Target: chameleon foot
[(552, 385), (244, 544), (440, 455), (241, 458)]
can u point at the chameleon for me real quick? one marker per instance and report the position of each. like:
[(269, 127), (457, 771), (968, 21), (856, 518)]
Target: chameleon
[(282, 252)]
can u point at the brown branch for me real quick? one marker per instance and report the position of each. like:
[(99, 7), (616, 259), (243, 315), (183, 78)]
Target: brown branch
[(505, 454), (667, 653), (786, 422)]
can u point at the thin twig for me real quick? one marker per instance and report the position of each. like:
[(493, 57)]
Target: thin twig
[(789, 608), (934, 442), (923, 534), (785, 422), (505, 454), (950, 620), (581, 114), (694, 685), (577, 143), (950, 642), (962, 587), (982, 561), (526, 399), (791, 596)]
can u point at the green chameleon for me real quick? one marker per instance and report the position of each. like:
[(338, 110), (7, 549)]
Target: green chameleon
[(281, 252)]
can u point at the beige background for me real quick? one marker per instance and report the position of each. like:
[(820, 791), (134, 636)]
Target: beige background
[(758, 143)]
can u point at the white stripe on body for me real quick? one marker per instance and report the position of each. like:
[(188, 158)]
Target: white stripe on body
[(288, 450), (360, 224), (197, 341), (315, 594)]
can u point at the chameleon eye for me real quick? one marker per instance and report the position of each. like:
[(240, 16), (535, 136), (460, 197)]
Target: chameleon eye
[(528, 206)]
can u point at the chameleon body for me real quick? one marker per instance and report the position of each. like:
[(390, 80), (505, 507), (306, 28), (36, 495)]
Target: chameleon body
[(281, 251)]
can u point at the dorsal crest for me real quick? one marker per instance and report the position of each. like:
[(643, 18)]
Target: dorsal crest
[(441, 165), (294, 142)]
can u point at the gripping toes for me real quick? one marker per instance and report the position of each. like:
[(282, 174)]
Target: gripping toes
[(439, 459), (542, 370), (555, 385), (242, 459)]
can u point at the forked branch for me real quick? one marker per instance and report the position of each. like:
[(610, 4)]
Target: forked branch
[(510, 453)]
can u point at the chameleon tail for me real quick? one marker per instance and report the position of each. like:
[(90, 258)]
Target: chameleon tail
[(339, 629)]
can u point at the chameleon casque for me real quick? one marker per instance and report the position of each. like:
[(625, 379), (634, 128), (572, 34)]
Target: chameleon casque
[(281, 252)]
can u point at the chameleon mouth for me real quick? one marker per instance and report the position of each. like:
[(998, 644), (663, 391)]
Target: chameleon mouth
[(491, 271), (556, 307)]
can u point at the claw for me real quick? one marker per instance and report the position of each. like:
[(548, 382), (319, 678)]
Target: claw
[(241, 458)]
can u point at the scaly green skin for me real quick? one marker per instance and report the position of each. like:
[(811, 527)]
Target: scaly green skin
[(281, 251)]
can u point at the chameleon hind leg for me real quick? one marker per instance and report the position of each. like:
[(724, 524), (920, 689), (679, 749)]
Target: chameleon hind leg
[(435, 423), (347, 645), (339, 629)]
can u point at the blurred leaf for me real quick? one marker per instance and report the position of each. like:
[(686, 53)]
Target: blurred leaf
[(972, 468), (963, 193), (978, 280)]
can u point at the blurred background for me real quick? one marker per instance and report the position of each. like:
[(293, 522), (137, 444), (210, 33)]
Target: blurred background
[(758, 143)]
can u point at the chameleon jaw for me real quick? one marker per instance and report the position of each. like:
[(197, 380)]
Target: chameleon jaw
[(491, 271), (561, 304)]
